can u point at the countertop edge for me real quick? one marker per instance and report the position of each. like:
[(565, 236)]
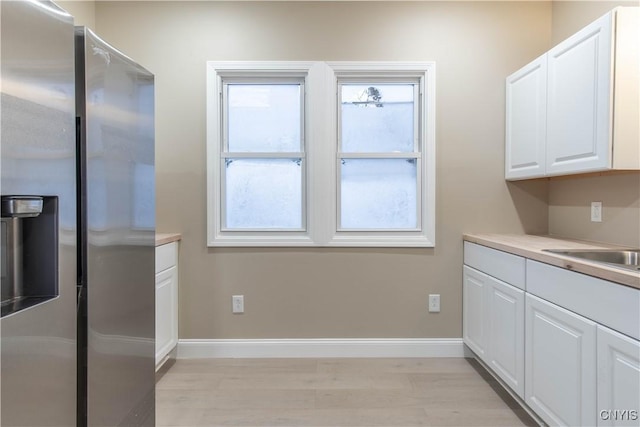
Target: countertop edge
[(530, 246), (164, 238)]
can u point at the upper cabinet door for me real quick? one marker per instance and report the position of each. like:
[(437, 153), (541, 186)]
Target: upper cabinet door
[(579, 100), (526, 121)]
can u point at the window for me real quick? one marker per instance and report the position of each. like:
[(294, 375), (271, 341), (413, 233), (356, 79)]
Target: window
[(262, 154), (378, 156), (320, 154)]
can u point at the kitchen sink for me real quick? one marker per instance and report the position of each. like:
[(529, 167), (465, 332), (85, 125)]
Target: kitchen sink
[(629, 259)]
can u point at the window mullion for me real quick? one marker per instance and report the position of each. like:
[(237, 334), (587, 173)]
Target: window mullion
[(385, 155), (263, 155)]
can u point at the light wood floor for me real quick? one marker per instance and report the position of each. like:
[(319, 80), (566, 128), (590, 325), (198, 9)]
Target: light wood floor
[(333, 392)]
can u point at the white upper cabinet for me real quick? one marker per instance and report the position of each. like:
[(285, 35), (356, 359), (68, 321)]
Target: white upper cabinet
[(526, 121), (579, 100), (591, 104)]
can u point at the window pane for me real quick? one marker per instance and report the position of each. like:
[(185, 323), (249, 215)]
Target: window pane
[(378, 194), (264, 193), (264, 118), (377, 118)]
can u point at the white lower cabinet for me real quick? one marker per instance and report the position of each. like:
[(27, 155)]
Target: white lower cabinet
[(618, 379), (560, 361), (474, 307), (493, 326), (166, 319), (166, 300), (564, 342), (506, 334)]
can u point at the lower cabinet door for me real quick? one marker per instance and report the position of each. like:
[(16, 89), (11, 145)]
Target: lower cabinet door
[(618, 379), (506, 334), (474, 309), (560, 364), (166, 312)]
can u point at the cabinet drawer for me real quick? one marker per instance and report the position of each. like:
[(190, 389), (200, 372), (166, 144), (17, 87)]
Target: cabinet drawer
[(501, 265), (604, 302), (166, 256)]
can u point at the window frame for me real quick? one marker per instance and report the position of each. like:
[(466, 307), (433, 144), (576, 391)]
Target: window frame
[(424, 74), (225, 153), (220, 74), (322, 155), (415, 154)]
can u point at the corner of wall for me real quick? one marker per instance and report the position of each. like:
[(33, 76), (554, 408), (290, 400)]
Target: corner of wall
[(567, 17), (83, 11)]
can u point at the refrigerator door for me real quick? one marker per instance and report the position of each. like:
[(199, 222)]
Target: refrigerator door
[(38, 158), (116, 109)]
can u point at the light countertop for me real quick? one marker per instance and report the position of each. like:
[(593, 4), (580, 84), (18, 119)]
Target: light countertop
[(531, 247), (164, 238)]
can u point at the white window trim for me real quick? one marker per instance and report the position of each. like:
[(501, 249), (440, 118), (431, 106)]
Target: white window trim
[(216, 234), (228, 154), (415, 154), (321, 109), (425, 71)]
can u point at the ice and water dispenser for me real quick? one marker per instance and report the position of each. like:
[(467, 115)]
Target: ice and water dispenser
[(29, 251)]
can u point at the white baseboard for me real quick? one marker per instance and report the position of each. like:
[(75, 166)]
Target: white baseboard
[(319, 348)]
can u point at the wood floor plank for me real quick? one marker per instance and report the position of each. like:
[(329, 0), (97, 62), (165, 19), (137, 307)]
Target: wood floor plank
[(395, 365), (315, 381), (236, 399), (406, 417), (333, 392), (194, 381), (477, 418)]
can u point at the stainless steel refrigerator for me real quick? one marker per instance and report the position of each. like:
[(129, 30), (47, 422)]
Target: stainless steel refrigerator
[(78, 225)]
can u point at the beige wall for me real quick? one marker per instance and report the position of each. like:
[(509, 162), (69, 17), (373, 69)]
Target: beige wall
[(83, 11), (570, 198), (312, 293), (570, 16), (570, 208)]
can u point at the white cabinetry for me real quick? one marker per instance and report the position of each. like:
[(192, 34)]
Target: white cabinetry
[(506, 334), (591, 103), (493, 312), (565, 342), (618, 379), (560, 364), (526, 121), (474, 307), (166, 300), (579, 100)]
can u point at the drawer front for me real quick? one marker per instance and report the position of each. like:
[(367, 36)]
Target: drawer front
[(501, 265), (166, 256), (604, 302)]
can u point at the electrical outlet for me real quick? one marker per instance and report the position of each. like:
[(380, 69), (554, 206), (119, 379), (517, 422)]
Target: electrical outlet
[(237, 304), (596, 211), (434, 303)]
